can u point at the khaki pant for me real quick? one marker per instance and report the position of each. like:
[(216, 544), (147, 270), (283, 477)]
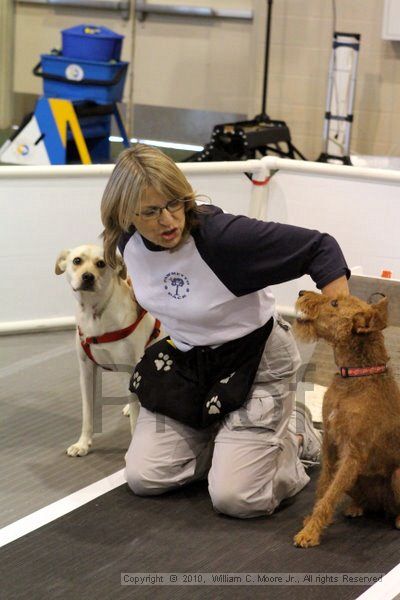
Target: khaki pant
[(251, 457)]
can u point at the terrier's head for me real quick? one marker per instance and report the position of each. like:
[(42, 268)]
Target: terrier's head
[(337, 319)]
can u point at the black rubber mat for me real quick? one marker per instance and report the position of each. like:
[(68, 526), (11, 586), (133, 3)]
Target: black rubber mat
[(82, 554)]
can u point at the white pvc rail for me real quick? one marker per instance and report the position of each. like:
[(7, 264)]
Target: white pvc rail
[(260, 168), (29, 172), (271, 163)]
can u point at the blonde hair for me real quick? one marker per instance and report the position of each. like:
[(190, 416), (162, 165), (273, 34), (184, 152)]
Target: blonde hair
[(137, 169)]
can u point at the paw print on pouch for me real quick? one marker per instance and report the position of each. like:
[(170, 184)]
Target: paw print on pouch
[(136, 380), (163, 362), (214, 406)]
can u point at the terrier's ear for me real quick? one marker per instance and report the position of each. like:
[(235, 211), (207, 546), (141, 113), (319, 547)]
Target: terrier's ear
[(61, 262), (121, 267), (380, 314), (374, 319)]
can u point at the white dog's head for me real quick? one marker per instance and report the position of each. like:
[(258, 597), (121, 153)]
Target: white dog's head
[(86, 269)]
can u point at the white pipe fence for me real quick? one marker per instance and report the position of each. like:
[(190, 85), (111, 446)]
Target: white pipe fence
[(343, 172), (262, 168)]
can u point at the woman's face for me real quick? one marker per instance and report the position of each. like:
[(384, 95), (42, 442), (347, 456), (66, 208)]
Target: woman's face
[(165, 230)]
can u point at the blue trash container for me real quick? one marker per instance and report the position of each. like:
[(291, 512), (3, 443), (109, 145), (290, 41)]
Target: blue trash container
[(91, 43), (102, 82)]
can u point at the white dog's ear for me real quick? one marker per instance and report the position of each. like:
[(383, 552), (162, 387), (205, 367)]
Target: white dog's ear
[(61, 262), (121, 267)]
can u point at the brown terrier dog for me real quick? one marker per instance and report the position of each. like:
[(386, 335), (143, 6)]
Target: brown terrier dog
[(361, 411)]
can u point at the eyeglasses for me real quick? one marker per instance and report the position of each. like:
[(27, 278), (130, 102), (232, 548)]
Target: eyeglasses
[(154, 212)]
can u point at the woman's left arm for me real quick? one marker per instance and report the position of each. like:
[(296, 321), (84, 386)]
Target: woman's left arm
[(336, 287)]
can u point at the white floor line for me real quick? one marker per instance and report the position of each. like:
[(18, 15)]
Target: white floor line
[(59, 508), (387, 589)]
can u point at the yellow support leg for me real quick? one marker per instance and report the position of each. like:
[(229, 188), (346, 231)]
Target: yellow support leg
[(64, 115)]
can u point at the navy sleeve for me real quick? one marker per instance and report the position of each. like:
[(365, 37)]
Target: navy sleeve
[(248, 255), (123, 240)]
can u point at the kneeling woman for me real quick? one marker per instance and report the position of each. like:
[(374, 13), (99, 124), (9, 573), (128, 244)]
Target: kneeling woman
[(217, 395)]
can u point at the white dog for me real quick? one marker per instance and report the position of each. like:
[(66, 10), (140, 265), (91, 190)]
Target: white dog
[(112, 329)]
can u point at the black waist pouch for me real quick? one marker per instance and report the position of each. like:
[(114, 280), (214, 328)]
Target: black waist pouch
[(202, 385)]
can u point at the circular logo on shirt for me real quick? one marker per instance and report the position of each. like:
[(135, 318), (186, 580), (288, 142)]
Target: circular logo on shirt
[(176, 285)]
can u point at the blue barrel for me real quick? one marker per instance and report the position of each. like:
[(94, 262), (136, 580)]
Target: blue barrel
[(90, 42)]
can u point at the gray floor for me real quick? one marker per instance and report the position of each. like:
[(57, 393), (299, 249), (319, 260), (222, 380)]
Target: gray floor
[(167, 124), (155, 122), (83, 553), (41, 417)]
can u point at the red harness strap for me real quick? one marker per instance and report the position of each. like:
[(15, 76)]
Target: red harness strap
[(114, 336), (155, 333), (362, 371)]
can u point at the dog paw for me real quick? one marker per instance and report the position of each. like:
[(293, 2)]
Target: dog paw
[(226, 380), (79, 449), (163, 362), (353, 510), (214, 406), (306, 539), (136, 382)]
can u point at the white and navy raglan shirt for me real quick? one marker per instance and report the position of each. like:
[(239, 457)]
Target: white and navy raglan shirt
[(214, 288)]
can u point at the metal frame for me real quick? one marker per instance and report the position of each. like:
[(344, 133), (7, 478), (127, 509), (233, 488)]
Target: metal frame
[(340, 98), (143, 9), (177, 10), (121, 6)]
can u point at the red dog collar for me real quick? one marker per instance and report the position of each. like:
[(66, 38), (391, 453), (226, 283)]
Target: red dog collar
[(362, 371)]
